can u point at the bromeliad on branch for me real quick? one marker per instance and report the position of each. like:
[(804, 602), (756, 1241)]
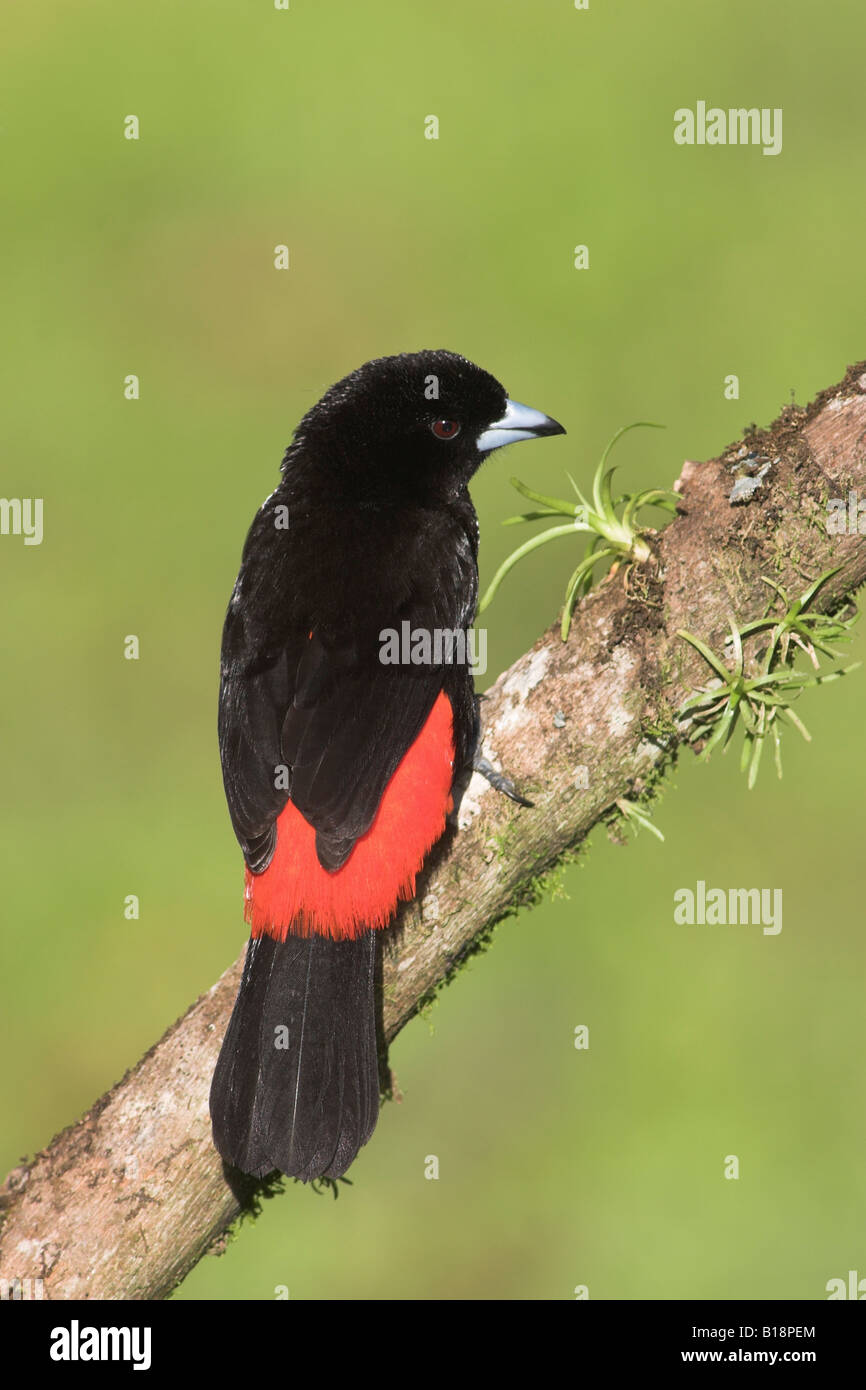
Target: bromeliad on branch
[(615, 537), (763, 701)]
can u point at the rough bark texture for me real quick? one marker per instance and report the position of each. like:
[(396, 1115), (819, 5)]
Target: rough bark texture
[(122, 1204)]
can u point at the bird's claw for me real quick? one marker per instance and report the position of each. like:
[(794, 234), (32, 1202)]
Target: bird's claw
[(498, 780)]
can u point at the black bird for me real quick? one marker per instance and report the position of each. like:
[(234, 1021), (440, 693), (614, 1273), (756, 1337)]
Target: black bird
[(338, 760)]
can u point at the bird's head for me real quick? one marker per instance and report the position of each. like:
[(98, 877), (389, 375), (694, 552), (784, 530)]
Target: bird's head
[(414, 425)]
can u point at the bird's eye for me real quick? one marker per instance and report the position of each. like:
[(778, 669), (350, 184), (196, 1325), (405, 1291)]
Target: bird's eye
[(445, 429)]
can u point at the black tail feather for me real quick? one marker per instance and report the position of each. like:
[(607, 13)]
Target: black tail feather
[(296, 1087)]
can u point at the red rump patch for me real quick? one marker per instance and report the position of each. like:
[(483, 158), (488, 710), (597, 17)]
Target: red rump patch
[(296, 892)]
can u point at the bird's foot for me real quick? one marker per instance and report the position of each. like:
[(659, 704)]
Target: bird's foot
[(498, 780)]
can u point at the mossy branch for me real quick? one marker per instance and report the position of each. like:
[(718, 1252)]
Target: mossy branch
[(122, 1204)]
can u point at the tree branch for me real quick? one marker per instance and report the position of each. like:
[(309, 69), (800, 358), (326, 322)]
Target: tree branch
[(122, 1204)]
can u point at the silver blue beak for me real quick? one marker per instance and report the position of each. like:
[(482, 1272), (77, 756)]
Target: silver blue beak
[(518, 422)]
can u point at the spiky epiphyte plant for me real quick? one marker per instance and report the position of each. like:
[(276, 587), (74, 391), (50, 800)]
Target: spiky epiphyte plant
[(763, 702), (615, 536)]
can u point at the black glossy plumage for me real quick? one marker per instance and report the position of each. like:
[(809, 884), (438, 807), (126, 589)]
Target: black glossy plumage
[(380, 529), (371, 526), (296, 1086)]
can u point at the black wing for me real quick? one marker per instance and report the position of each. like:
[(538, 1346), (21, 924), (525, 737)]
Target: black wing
[(307, 708)]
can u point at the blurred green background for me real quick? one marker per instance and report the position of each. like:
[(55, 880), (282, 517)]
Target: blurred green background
[(155, 257)]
